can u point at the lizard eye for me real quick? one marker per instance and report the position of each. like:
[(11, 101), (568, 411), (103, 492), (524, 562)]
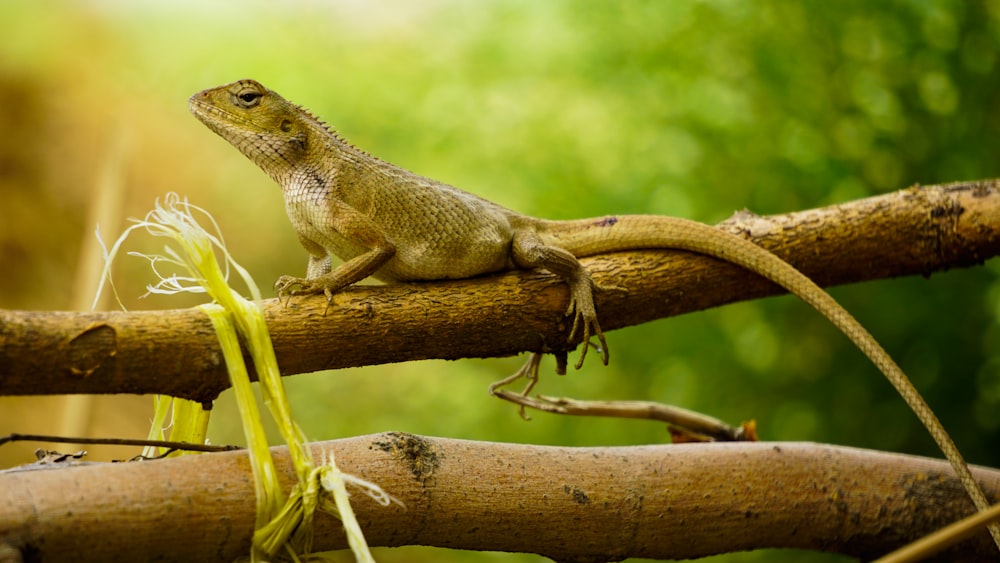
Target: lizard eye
[(249, 98)]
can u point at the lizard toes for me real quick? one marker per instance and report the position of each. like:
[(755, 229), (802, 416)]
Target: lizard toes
[(592, 328), (586, 339), (286, 286)]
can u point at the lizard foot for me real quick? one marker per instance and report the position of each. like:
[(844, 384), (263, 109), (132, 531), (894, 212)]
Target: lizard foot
[(581, 307), (590, 328), (286, 287)]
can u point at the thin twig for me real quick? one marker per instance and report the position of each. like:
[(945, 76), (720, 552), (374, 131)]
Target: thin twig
[(116, 442), (698, 423)]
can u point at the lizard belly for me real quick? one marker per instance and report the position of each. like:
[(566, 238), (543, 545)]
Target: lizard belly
[(424, 251), (439, 233), (454, 255)]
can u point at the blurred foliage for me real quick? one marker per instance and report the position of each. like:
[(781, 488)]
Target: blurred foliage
[(559, 109)]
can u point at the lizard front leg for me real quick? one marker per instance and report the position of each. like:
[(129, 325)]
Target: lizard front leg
[(528, 251), (320, 277), (348, 273)]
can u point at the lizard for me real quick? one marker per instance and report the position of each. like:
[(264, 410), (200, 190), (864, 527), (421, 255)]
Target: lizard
[(397, 226)]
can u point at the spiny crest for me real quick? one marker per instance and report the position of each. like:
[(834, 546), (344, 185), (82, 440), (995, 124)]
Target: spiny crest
[(316, 120)]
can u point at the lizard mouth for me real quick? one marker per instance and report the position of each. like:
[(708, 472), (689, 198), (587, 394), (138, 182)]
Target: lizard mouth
[(213, 116), (202, 110)]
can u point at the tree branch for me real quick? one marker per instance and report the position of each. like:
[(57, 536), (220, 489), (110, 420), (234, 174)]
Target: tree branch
[(579, 504), (918, 230)]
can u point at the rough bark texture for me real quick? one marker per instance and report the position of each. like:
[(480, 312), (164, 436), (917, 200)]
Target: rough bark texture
[(571, 504), (918, 230)]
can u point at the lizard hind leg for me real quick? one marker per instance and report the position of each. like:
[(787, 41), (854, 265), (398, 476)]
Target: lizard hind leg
[(528, 251)]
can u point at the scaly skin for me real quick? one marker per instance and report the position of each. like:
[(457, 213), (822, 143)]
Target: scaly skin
[(394, 225)]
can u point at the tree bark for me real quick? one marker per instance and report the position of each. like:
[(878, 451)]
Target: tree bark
[(918, 230), (570, 504)]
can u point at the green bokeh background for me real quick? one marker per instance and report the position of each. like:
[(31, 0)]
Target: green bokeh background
[(558, 109)]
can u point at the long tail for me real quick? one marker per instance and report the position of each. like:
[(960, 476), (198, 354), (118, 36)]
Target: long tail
[(588, 237)]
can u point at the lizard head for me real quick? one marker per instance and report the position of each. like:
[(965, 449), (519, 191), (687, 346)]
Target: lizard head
[(265, 127)]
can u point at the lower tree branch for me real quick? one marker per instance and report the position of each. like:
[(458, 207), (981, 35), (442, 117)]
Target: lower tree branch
[(918, 230), (579, 504)]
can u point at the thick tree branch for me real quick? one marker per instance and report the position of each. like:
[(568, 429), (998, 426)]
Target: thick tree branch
[(579, 504), (918, 230)]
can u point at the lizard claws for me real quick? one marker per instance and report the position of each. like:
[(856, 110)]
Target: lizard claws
[(581, 306), (590, 328), (285, 286)]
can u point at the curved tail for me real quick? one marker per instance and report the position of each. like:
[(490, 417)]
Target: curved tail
[(587, 237)]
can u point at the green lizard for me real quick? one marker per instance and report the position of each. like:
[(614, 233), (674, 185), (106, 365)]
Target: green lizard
[(394, 225)]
